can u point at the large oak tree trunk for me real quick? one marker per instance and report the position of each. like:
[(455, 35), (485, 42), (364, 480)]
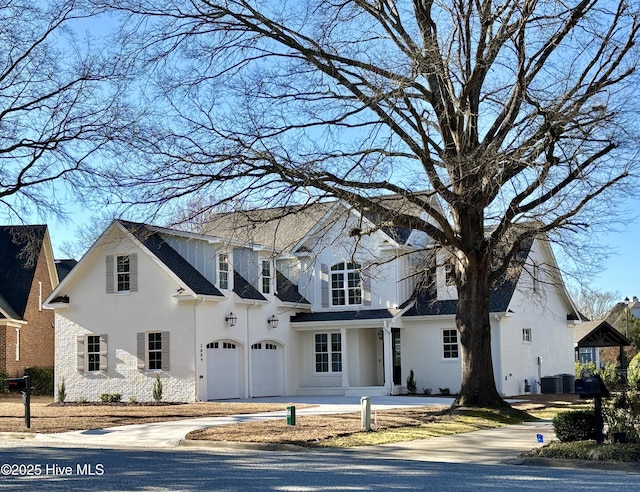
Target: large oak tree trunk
[(478, 387)]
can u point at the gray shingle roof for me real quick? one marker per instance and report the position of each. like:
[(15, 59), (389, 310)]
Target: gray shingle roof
[(363, 314), (287, 291), (427, 303), (172, 259)]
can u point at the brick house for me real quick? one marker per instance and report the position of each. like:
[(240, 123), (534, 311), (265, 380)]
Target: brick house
[(28, 274)]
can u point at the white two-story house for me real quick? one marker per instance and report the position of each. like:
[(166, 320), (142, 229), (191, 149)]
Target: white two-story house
[(295, 305)]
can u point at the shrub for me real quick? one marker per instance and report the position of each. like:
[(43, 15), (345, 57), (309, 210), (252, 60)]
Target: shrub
[(41, 380), (110, 397), (575, 426), (3, 376), (633, 372), (157, 389), (62, 392), (412, 386)]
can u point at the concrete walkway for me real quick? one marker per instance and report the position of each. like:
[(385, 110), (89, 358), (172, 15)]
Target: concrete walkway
[(487, 446)]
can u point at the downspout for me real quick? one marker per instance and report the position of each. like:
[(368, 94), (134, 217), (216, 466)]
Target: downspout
[(195, 349)]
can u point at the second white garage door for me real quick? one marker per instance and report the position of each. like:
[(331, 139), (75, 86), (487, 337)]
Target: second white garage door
[(267, 369)]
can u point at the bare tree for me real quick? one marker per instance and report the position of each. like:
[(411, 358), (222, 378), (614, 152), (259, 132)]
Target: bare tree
[(56, 109), (595, 305), (517, 115)]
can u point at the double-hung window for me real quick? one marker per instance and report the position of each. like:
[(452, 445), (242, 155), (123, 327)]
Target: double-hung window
[(93, 353), (328, 352), (123, 272), (450, 344), (223, 271), (346, 284), (266, 276), (153, 351)]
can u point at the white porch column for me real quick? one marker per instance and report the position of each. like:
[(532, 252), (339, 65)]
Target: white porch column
[(388, 358), (345, 358)]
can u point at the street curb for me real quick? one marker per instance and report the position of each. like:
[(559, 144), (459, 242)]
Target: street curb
[(255, 446), (579, 464), (18, 435)]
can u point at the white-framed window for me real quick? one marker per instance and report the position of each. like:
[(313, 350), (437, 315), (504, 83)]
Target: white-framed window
[(223, 271), (328, 352), (223, 345), (526, 335), (122, 275), (449, 277), (153, 351), (92, 353), (450, 348), (123, 272), (346, 284), (266, 277)]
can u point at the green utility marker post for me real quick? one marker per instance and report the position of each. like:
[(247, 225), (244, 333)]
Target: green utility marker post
[(291, 415)]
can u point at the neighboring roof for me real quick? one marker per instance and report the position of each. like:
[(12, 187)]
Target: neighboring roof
[(20, 247), (153, 241), (364, 314), (598, 334), (63, 267)]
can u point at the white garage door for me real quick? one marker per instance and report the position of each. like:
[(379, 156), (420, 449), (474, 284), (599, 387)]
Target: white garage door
[(223, 371), (266, 369)]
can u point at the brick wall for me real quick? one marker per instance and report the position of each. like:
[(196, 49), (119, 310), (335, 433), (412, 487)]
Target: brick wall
[(122, 376), (37, 335)]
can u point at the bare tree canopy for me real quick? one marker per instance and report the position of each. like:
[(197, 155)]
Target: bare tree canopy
[(519, 116), (595, 305), (55, 108)]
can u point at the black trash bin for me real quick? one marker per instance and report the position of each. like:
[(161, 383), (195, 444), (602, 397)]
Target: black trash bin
[(551, 385), (568, 381)]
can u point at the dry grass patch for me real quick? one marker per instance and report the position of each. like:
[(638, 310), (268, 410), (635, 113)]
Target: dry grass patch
[(48, 417), (345, 430)]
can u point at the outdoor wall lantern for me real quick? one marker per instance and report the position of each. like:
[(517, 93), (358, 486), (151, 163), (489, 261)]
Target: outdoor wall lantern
[(273, 321), (380, 334), (230, 320)]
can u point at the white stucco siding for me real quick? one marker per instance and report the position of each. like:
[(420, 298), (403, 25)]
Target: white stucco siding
[(422, 351), (544, 312)]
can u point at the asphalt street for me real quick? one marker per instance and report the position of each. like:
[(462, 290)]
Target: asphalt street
[(62, 468)]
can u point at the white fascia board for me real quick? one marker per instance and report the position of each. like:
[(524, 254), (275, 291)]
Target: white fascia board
[(338, 324), (81, 265)]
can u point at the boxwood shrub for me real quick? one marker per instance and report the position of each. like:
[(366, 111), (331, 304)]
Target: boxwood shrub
[(573, 426)]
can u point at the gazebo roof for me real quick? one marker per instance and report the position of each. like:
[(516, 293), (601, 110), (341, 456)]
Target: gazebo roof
[(599, 334)]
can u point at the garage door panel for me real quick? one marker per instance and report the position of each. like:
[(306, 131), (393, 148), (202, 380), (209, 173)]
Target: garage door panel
[(267, 370), (223, 371)]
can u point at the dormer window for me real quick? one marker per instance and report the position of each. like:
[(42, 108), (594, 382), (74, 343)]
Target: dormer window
[(266, 277), (346, 284), (223, 271)]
